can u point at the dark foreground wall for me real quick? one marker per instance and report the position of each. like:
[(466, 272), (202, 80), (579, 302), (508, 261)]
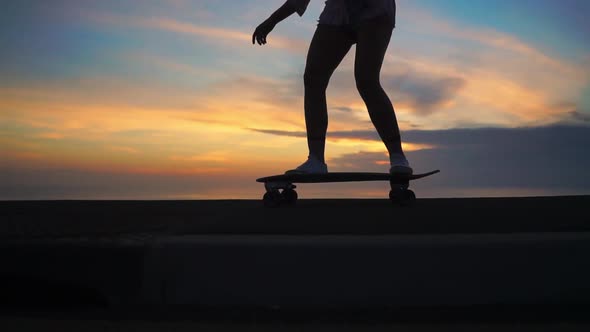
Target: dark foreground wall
[(511, 261), (370, 270)]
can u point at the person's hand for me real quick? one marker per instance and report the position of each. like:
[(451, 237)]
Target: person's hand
[(261, 32)]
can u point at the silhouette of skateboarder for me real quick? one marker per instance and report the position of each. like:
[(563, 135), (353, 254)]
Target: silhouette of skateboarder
[(342, 23)]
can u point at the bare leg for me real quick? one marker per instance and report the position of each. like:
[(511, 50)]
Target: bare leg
[(373, 39), (328, 47)]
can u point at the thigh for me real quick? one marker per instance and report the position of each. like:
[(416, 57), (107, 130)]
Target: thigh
[(373, 39), (328, 47)]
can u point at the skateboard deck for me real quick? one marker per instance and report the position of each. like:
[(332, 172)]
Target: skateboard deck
[(341, 177), (280, 189)]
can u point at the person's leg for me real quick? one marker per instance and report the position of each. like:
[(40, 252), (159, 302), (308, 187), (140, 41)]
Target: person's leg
[(372, 41), (328, 47)]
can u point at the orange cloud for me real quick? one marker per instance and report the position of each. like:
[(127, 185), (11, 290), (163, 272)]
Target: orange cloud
[(52, 135), (125, 149)]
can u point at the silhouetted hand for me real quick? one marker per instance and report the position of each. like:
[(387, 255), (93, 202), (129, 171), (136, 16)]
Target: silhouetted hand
[(261, 32)]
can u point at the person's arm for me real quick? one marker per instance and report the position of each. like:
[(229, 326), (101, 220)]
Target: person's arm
[(286, 10)]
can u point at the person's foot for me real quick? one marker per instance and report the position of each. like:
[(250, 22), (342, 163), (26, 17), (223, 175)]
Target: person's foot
[(311, 166), (400, 165)]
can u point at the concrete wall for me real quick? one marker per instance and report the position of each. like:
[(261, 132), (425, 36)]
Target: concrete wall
[(310, 271)]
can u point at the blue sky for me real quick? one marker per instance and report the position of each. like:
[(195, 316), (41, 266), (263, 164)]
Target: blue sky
[(171, 98), (554, 26)]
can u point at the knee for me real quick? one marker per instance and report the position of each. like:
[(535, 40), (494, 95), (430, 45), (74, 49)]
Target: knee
[(366, 83), (315, 80)]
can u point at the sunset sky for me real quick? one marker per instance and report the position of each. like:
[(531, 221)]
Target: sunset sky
[(169, 99)]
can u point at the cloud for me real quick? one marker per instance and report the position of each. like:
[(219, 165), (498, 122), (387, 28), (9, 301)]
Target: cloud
[(551, 137), (534, 157), (507, 80), (487, 38), (424, 93), (580, 117), (343, 109), (64, 183), (434, 93), (421, 93), (281, 132), (125, 149), (548, 158), (480, 87), (208, 33), (362, 161), (544, 160), (168, 64)]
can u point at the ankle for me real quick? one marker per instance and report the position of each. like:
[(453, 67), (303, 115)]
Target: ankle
[(396, 156), (315, 157)]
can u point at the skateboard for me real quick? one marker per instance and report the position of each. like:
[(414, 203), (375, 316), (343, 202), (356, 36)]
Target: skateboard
[(280, 189)]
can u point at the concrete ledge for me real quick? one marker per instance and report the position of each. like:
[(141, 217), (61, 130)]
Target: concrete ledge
[(332, 271), (307, 271), (70, 272)]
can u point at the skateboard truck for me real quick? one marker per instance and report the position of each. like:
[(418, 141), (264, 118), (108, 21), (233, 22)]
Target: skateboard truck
[(279, 192), (285, 185), (400, 194)]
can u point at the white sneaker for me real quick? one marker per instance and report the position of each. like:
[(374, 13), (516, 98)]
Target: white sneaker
[(311, 166), (399, 165)]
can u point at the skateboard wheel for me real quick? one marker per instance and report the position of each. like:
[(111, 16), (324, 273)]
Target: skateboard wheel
[(272, 198), (403, 197), (289, 196), (409, 198)]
